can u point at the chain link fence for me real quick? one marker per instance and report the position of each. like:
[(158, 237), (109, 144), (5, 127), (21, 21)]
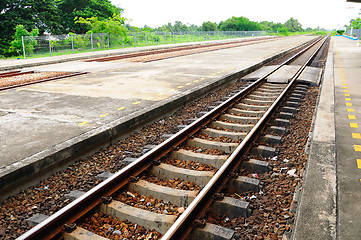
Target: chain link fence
[(51, 45)]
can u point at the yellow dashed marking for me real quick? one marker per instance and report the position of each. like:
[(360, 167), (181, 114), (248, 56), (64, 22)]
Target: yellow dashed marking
[(18, 90), (106, 114), (348, 99), (346, 90), (148, 98), (180, 87), (83, 123), (344, 83), (209, 76), (203, 78), (348, 104), (349, 109), (345, 87), (357, 148), (121, 108), (172, 90), (136, 103), (356, 135), (196, 81), (352, 117), (358, 163), (219, 72), (188, 84), (3, 93), (347, 95), (160, 94), (353, 125)]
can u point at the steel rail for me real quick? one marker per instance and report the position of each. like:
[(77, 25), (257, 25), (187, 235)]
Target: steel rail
[(132, 55), (42, 80), (53, 225), (183, 225)]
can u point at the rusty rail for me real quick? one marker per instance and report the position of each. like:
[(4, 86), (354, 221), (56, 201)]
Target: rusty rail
[(183, 226)]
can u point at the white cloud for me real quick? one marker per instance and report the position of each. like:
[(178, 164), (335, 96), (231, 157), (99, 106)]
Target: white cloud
[(310, 13)]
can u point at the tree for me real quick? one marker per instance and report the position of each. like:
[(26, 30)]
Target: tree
[(40, 14), (356, 23), (71, 9), (209, 26), (239, 24), (293, 25), (17, 45)]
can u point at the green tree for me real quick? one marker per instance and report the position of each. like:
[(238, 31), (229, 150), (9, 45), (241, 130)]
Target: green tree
[(293, 25), (71, 9), (239, 24), (356, 23), (17, 45), (40, 14), (112, 25), (209, 26)]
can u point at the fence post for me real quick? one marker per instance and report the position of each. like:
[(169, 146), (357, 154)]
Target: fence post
[(91, 40), (156, 38), (22, 39), (72, 43), (135, 44), (108, 40), (122, 42), (180, 38), (146, 40), (50, 46), (165, 38)]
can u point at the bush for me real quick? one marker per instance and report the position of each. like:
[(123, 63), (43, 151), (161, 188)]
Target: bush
[(340, 32)]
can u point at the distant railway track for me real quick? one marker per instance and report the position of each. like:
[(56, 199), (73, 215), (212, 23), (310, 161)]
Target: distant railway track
[(228, 132), (156, 55)]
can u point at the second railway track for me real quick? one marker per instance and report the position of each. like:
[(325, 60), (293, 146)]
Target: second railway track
[(212, 147)]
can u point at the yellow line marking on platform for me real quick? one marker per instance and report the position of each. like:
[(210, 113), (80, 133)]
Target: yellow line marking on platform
[(352, 117), (349, 109), (344, 83), (180, 87), (203, 78), (219, 72), (160, 94), (345, 87), (83, 123), (356, 135), (136, 103), (209, 76), (353, 125), (121, 108), (340, 66), (347, 95), (348, 104), (106, 114), (3, 93), (172, 90), (347, 99), (18, 90), (188, 84), (346, 90), (357, 148), (358, 163), (196, 81), (148, 98)]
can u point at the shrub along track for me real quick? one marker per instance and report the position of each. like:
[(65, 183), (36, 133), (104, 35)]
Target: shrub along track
[(89, 168)]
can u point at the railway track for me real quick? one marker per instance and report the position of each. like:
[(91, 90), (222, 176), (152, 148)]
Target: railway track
[(156, 55), (218, 139)]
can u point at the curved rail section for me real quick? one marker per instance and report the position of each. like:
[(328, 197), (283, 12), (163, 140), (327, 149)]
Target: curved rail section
[(54, 225)]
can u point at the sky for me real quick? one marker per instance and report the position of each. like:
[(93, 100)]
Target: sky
[(328, 14)]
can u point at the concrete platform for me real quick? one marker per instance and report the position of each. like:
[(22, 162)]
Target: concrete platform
[(45, 124), (330, 204)]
